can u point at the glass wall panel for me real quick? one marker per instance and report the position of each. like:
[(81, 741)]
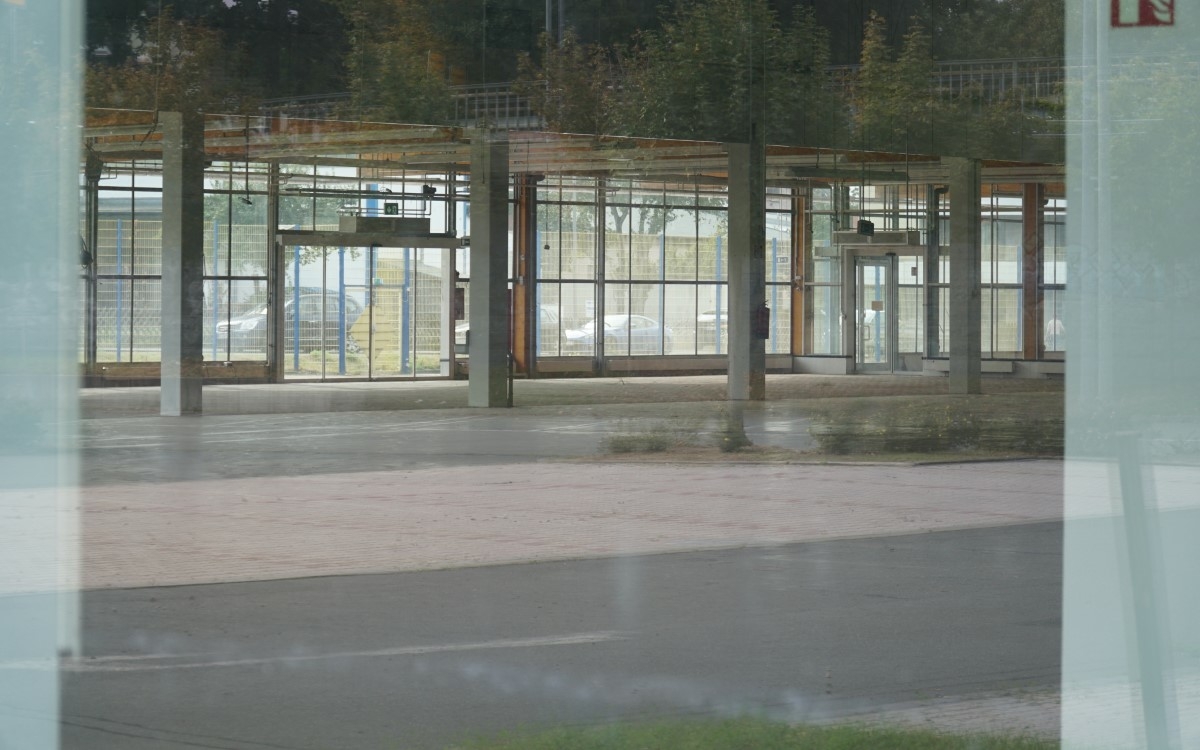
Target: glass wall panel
[(577, 307), (827, 269), (648, 333), (682, 318), (779, 300), (617, 252), (825, 319), (1054, 269), (304, 308), (778, 250), (712, 322), (633, 321), (145, 338), (910, 317), (1001, 321), (1054, 331), (681, 251), (613, 330), (945, 322), (713, 246), (404, 313), (1008, 251), (647, 256), (217, 343), (428, 308), (549, 330), (113, 320), (146, 245), (549, 236)]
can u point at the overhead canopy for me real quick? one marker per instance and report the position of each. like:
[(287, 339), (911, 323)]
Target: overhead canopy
[(386, 150)]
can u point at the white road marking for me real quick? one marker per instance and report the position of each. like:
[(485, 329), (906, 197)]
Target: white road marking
[(159, 662)]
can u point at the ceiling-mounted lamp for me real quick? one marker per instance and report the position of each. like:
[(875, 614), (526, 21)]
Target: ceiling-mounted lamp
[(865, 227)]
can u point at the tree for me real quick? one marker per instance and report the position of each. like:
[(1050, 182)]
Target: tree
[(300, 46), (112, 28), (178, 65), (693, 78), (574, 89), (997, 29), (389, 66), (894, 104), (898, 108)]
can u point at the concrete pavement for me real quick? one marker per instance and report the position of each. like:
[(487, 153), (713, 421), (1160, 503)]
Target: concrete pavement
[(256, 491), (319, 478), (211, 531)]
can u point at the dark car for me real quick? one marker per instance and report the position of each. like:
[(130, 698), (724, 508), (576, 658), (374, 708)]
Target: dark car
[(318, 317)]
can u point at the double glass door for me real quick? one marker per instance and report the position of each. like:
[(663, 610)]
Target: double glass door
[(875, 308), (889, 312)]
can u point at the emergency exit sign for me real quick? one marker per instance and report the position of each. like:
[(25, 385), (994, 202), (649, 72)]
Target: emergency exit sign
[(1143, 13)]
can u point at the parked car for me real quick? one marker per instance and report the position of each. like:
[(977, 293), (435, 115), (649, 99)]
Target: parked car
[(623, 333), (710, 324), (548, 328), (248, 331)]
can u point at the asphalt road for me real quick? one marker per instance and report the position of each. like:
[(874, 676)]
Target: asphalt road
[(419, 660)]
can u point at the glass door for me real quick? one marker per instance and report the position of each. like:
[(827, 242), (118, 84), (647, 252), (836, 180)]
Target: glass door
[(875, 313)]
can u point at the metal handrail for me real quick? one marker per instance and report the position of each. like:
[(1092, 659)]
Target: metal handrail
[(1038, 79)]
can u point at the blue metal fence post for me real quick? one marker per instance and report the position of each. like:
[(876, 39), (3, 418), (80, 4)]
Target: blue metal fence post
[(717, 304), (406, 366), (537, 295), (120, 284), (296, 308), (216, 289), (878, 341), (662, 288), (774, 295), (341, 311)]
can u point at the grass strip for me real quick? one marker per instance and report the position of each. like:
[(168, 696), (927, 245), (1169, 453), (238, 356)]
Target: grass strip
[(751, 734)]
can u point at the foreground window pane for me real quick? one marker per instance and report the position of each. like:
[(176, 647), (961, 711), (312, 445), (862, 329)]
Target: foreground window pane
[(613, 508)]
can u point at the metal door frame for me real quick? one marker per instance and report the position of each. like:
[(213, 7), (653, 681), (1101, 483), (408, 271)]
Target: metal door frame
[(854, 259)]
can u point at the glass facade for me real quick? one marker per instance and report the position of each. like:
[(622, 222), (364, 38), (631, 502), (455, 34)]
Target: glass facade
[(778, 301)]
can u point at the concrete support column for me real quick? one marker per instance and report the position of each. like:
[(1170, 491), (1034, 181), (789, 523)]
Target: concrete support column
[(747, 270), (489, 342), (182, 263), (965, 278)]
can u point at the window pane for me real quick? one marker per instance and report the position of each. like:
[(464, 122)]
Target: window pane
[(779, 300), (681, 317)]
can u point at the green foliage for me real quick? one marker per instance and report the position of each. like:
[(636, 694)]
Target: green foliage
[(741, 734), (940, 425), (391, 66), (574, 87), (701, 76), (897, 108), (716, 63), (997, 29), (655, 439), (178, 65)]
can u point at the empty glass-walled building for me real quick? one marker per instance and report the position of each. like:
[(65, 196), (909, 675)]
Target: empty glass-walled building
[(623, 271)]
